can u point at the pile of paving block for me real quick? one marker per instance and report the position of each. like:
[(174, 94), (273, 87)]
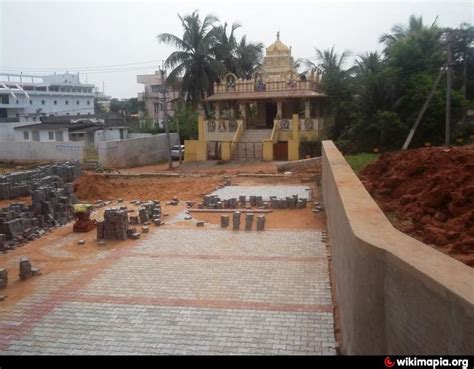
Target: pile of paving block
[(13, 185), (115, 225), (51, 207), (214, 202)]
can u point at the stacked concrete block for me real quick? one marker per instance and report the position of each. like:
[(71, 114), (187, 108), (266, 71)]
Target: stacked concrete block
[(115, 224), (236, 220), (25, 269), (248, 221), (224, 221), (13, 185), (3, 278), (3, 243), (261, 223)]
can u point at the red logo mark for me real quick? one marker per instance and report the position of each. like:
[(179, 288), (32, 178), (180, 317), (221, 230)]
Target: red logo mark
[(388, 362)]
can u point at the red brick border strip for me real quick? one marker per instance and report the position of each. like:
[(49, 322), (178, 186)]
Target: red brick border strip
[(201, 303), (309, 259)]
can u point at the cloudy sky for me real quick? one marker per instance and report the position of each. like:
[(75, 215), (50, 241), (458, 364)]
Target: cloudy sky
[(111, 42)]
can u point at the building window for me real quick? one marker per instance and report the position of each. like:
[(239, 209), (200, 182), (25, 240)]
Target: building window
[(67, 102), (77, 102), (36, 136), (59, 136), (34, 119), (67, 113), (31, 102), (26, 135), (42, 102), (51, 135), (17, 102), (55, 102), (88, 102), (155, 88)]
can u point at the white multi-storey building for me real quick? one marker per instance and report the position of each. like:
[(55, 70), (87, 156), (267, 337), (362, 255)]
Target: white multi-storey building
[(24, 99)]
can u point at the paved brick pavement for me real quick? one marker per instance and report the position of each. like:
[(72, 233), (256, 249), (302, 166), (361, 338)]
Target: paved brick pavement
[(183, 291)]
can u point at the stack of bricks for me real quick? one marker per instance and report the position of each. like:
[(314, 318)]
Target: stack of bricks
[(13, 185), (115, 224), (214, 202), (51, 203)]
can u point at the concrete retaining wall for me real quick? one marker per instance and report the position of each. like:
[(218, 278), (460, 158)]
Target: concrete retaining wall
[(40, 151), (135, 151), (395, 294)]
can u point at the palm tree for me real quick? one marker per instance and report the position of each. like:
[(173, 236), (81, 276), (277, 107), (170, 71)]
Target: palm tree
[(400, 32), (328, 61), (374, 83), (226, 46), (248, 57), (195, 59)]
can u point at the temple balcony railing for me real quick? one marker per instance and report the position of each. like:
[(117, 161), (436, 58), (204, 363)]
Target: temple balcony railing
[(252, 86)]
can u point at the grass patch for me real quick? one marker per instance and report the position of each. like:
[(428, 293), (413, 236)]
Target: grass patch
[(360, 161)]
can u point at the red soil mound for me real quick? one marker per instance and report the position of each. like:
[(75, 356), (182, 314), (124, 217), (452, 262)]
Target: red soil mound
[(430, 191)]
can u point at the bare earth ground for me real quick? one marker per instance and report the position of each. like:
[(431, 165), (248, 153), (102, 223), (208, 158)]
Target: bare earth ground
[(288, 281)]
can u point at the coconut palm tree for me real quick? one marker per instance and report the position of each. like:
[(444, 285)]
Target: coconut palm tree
[(328, 61), (399, 31), (226, 46), (195, 58), (248, 57)]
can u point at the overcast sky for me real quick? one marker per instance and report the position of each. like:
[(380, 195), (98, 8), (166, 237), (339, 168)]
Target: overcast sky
[(37, 37)]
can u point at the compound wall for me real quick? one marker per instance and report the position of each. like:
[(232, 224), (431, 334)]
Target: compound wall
[(395, 295)]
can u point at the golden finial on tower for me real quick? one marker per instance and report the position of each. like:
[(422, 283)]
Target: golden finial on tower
[(278, 35)]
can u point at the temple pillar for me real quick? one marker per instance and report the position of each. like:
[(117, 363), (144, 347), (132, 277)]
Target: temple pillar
[(307, 109), (218, 110), (243, 110), (279, 109), (317, 108)]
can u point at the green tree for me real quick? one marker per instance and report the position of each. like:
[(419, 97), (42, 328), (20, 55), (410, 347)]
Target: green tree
[(336, 83), (249, 57), (186, 117), (226, 46), (195, 59)]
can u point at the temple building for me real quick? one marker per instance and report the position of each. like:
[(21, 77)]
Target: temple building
[(264, 118)]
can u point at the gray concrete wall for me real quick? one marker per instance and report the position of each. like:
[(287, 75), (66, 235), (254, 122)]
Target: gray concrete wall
[(395, 294), (40, 151), (135, 151)]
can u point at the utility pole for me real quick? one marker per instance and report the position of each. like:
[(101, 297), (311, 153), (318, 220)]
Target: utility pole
[(423, 109), (165, 113), (448, 90)]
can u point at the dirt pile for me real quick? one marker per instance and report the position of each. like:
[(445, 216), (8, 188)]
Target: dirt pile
[(91, 187), (430, 193)]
